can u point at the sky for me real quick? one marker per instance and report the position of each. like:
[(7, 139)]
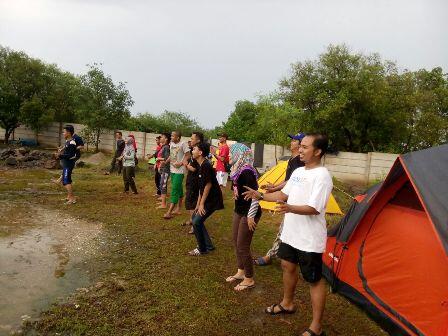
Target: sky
[(200, 57)]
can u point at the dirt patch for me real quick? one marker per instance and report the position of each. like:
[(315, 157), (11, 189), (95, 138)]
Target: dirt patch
[(42, 256), (95, 159)]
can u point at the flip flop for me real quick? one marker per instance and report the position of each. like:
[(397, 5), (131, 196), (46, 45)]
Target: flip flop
[(168, 217), (271, 310), (243, 287), (261, 262), (233, 278), (312, 333)]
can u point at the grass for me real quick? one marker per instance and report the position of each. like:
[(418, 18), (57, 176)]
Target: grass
[(143, 283)]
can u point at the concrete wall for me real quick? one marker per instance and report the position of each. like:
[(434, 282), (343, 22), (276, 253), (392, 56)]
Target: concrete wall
[(359, 168)]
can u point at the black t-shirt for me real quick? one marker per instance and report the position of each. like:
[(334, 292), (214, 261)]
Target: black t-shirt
[(247, 178), (293, 164), (120, 147), (207, 175), (79, 142), (192, 181)]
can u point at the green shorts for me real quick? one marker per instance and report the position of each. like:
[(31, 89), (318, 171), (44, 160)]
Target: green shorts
[(177, 190)]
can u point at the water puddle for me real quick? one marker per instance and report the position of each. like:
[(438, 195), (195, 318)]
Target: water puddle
[(41, 256)]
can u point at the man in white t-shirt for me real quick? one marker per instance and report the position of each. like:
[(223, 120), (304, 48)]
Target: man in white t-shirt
[(179, 156), (304, 232)]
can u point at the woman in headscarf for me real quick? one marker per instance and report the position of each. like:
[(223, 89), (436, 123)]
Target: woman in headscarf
[(135, 147), (246, 214), (129, 166)]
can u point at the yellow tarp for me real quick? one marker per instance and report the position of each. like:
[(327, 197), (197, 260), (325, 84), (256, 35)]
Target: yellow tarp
[(277, 175)]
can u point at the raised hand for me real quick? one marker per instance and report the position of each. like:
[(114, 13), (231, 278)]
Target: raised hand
[(251, 194)]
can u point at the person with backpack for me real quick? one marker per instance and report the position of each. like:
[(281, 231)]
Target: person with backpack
[(68, 158)]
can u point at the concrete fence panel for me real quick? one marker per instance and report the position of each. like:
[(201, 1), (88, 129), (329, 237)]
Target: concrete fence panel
[(359, 168)]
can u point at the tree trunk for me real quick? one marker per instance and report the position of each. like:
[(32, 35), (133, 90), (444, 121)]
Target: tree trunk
[(7, 134), (60, 133), (97, 142)]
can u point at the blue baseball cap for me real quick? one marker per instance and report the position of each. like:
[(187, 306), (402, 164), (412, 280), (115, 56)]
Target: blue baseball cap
[(299, 136)]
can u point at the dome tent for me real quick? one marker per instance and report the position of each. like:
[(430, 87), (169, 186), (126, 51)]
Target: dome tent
[(389, 254)]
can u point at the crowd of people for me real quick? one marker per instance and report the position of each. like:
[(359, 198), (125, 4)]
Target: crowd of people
[(301, 198)]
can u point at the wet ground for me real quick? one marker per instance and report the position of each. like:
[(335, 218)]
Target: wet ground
[(42, 253)]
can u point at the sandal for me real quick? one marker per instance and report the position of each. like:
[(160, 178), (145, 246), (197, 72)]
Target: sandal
[(168, 216), (70, 202), (312, 333), (196, 252), (240, 287), (271, 310), (233, 278), (261, 262)]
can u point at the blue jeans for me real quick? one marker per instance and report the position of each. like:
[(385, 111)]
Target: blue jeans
[(203, 239)]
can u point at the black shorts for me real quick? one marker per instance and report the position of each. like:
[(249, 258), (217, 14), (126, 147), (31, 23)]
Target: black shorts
[(310, 262)]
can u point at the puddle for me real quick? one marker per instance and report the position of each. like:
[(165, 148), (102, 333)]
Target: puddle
[(41, 263)]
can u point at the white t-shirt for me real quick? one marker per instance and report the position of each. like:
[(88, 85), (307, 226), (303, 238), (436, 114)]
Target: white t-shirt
[(307, 187), (177, 153)]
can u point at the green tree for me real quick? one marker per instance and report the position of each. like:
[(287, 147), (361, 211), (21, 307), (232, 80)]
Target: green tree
[(105, 105), (240, 125), (166, 122), (18, 75)]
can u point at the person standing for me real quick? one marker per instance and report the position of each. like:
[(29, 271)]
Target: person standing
[(179, 155), (209, 199), (293, 163), (117, 163), (68, 158), (162, 160), (246, 214), (79, 146), (222, 160), (128, 157), (192, 180), (304, 231), (156, 166)]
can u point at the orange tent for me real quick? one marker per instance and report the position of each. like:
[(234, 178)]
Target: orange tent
[(389, 254)]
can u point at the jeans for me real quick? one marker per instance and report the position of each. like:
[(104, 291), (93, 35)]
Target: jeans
[(116, 164), (157, 181), (203, 239)]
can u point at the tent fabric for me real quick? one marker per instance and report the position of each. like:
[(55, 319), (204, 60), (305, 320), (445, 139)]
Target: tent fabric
[(277, 175), (432, 187), (388, 254)]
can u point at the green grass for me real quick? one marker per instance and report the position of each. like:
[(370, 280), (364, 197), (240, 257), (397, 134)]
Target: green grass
[(145, 282)]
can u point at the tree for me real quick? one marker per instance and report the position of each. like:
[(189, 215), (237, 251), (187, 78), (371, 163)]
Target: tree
[(240, 125), (105, 105), (17, 85), (166, 122)]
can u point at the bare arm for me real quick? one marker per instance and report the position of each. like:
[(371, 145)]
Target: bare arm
[(190, 168), (269, 197)]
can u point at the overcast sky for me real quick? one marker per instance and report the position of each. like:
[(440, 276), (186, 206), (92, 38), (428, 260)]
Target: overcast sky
[(199, 57)]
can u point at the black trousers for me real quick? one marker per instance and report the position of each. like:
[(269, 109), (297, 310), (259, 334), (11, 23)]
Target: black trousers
[(128, 179), (116, 165), (157, 181)]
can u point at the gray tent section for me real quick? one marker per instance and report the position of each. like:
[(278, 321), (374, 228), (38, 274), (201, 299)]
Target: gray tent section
[(428, 171)]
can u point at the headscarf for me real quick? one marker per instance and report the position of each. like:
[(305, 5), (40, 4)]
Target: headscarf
[(129, 145), (242, 159), (134, 142)]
